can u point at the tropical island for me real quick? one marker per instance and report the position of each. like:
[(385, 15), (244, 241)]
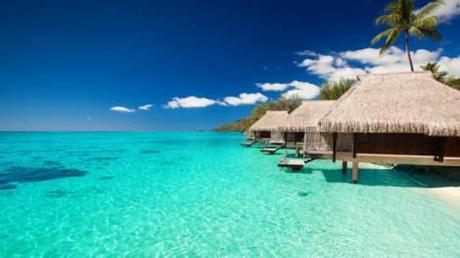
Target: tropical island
[(329, 91), (351, 145), (402, 20)]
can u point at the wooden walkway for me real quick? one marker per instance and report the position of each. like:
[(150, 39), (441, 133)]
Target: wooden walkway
[(248, 143), (270, 149), (426, 160), (294, 164)]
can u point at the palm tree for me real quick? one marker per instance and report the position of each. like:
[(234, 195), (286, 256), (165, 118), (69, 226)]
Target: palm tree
[(433, 67), (442, 76), (334, 90), (403, 18)]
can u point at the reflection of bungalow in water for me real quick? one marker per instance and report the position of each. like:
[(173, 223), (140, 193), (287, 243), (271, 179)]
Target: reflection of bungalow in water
[(266, 128), (399, 118)]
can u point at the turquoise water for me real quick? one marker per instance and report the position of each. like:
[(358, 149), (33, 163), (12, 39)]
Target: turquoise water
[(200, 194)]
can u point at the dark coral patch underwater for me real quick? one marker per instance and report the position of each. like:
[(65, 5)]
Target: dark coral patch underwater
[(22, 174), (7, 186)]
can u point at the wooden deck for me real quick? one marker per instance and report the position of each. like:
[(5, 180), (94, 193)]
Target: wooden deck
[(394, 159), (294, 164), (271, 149), (425, 160), (248, 143)]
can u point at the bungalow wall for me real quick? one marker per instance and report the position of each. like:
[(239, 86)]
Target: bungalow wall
[(262, 134), (292, 138), (277, 136), (452, 147), (409, 144), (274, 136), (322, 142)]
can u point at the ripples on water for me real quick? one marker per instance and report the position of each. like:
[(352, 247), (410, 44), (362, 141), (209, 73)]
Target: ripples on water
[(201, 194)]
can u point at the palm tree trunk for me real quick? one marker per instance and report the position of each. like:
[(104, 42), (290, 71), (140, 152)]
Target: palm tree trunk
[(408, 52)]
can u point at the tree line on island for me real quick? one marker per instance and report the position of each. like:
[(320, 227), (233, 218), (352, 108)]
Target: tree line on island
[(328, 91), (402, 19)]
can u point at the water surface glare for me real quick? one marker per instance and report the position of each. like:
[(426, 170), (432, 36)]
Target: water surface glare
[(199, 194)]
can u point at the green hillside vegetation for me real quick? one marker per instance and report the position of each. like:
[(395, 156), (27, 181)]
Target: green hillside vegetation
[(329, 91), (442, 76), (258, 111), (333, 90), (455, 83)]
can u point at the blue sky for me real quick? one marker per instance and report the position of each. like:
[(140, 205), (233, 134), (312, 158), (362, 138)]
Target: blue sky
[(65, 64)]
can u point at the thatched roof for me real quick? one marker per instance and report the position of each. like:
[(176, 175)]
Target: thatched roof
[(270, 121), (307, 116), (397, 103)]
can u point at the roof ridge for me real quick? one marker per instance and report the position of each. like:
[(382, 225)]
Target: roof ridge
[(424, 105), (393, 73)]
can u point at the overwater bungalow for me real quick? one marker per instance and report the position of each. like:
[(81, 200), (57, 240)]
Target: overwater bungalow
[(301, 127), (398, 118), (265, 130)]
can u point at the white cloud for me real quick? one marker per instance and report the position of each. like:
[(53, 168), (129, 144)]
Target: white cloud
[(306, 52), (392, 56), (450, 65), (394, 60), (322, 65), (340, 62), (190, 102), (372, 56), (301, 90), (272, 86), (122, 109), (450, 9), (145, 107), (331, 67), (334, 66), (197, 102), (294, 89), (245, 99), (349, 64)]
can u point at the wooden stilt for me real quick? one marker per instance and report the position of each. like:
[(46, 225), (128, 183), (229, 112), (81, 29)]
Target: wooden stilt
[(344, 167), (355, 172), (440, 145), (304, 146), (353, 145), (334, 146)]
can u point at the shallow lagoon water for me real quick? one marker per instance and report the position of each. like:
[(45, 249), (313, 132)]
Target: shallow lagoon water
[(200, 194)]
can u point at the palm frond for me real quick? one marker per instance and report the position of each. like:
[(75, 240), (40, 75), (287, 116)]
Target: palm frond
[(433, 34), (426, 23), (401, 16), (414, 31), (431, 66), (393, 7), (393, 35), (407, 8), (381, 36), (429, 8), (389, 19)]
